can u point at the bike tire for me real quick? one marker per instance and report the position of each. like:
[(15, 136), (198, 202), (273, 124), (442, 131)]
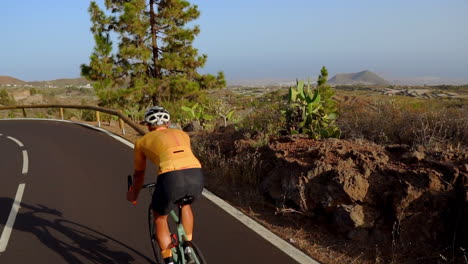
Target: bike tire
[(154, 242), (173, 230), (199, 254)]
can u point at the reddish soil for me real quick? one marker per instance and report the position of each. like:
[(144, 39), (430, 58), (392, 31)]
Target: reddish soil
[(374, 203)]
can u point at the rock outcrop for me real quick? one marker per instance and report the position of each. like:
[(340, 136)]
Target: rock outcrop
[(364, 191)]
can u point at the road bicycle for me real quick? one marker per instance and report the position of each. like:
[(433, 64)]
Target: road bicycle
[(176, 229)]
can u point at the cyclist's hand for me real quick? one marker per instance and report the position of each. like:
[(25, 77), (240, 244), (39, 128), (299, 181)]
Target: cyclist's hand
[(131, 196)]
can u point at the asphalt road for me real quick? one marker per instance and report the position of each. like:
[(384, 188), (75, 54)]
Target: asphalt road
[(73, 208)]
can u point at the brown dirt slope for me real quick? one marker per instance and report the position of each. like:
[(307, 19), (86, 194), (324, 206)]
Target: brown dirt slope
[(410, 203), (10, 80)]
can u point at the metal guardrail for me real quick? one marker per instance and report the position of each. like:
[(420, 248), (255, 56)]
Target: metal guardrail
[(122, 117)]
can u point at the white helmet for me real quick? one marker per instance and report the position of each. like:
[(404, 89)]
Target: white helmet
[(156, 115)]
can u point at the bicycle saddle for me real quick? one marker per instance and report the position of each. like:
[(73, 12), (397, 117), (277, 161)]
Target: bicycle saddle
[(184, 200)]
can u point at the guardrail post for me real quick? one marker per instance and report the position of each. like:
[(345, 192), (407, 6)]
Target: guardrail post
[(98, 118), (122, 126), (61, 113), (24, 113), (121, 123)]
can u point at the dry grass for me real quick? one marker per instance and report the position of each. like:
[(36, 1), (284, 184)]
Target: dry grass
[(430, 124), (237, 170)]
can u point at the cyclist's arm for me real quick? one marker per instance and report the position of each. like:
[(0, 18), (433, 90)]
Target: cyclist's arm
[(139, 173), (138, 180)]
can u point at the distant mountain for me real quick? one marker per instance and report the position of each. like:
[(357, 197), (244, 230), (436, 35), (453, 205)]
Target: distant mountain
[(77, 82), (5, 80), (364, 77)]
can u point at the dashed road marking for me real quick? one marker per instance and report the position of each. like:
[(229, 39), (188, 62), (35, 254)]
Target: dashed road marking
[(11, 218), (16, 141), (16, 203), (25, 162), (25, 154)]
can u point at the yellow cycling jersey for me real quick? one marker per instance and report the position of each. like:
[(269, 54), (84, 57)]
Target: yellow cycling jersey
[(169, 149)]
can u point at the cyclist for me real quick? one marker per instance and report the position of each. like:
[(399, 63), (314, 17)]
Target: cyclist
[(179, 174)]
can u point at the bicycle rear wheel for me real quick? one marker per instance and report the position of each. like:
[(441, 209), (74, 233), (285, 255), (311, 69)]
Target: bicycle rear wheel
[(154, 242)]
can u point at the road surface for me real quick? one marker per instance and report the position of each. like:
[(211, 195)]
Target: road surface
[(67, 203)]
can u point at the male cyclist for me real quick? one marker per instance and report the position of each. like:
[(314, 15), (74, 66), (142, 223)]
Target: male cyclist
[(179, 174)]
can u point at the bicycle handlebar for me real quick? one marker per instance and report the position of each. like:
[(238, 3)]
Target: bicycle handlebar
[(149, 185), (130, 183)]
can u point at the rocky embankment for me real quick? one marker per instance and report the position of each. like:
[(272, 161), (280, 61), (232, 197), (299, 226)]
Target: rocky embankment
[(367, 192)]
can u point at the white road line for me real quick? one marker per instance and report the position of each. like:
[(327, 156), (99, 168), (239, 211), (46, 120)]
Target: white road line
[(25, 162), (278, 242), (124, 141), (16, 141), (25, 154), (11, 218)]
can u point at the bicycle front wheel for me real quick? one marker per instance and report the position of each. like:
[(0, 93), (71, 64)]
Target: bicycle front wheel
[(154, 242)]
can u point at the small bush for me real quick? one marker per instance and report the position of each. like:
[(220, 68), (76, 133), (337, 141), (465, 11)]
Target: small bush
[(237, 171), (33, 91), (265, 121), (6, 98)]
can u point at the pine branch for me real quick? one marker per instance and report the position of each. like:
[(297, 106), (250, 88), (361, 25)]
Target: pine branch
[(176, 71)]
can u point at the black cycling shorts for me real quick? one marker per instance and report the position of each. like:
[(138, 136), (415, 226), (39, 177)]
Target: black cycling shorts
[(174, 185)]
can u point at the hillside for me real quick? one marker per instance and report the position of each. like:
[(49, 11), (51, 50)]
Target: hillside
[(58, 83), (5, 80), (363, 77)]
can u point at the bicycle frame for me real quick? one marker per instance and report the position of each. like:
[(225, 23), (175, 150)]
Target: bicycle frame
[(178, 250)]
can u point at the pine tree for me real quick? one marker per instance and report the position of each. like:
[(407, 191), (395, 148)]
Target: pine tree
[(326, 91), (155, 58)]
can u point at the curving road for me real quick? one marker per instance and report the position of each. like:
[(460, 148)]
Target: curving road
[(70, 203)]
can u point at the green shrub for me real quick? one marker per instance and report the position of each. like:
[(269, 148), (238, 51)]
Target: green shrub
[(6, 98), (33, 91), (309, 113), (266, 119)]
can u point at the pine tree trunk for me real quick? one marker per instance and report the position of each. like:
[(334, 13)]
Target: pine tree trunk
[(154, 40)]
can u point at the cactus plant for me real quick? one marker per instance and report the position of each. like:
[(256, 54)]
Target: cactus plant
[(197, 113), (307, 113)]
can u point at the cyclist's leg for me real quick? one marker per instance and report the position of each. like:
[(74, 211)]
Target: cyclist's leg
[(162, 203), (194, 182), (187, 221), (163, 234)]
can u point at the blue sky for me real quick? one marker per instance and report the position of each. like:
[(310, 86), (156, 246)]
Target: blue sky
[(261, 39)]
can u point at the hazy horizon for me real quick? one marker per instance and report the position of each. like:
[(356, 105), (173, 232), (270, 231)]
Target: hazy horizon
[(261, 40)]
